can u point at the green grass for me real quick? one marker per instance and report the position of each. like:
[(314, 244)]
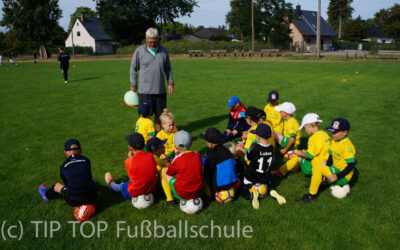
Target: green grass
[(39, 112)]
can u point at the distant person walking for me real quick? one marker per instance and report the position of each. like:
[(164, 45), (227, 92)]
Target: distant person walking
[(151, 62), (12, 59), (35, 57), (63, 60)]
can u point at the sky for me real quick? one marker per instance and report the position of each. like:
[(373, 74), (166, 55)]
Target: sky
[(211, 13)]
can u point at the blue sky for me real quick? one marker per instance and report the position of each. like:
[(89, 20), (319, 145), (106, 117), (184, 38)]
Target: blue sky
[(211, 13)]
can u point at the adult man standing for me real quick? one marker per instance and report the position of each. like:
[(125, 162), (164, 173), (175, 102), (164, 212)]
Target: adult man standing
[(151, 60), (63, 60)]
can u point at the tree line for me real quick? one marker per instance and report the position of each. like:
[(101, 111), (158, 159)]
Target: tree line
[(34, 24)]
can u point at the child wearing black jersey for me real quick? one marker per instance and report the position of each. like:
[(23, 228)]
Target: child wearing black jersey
[(261, 156)]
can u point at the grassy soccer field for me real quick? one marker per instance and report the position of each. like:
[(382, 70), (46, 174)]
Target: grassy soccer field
[(39, 112)]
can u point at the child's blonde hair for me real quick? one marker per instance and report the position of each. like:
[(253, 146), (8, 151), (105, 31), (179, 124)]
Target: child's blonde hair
[(166, 116), (231, 146)]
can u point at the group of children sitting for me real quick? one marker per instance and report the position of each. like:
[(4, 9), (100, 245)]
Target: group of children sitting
[(228, 167)]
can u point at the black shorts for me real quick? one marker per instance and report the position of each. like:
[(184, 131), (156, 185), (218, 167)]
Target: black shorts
[(73, 201), (159, 102)]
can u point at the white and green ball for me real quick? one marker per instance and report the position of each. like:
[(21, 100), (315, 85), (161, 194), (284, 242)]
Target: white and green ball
[(191, 206), (143, 201)]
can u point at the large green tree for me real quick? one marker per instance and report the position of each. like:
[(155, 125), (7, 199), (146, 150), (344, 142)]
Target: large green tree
[(355, 30), (33, 20), (339, 12), (271, 20), (389, 21), (239, 19), (127, 20), (88, 12)]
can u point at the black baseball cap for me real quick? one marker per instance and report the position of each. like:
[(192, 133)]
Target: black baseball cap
[(145, 108), (252, 113), (263, 130), (135, 140), (262, 114), (155, 143), (273, 96), (339, 124), (211, 135), (72, 144)]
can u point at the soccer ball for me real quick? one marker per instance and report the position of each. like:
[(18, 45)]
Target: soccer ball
[(143, 201), (191, 206), (131, 98), (262, 189), (84, 212), (340, 192), (225, 196), (289, 154)]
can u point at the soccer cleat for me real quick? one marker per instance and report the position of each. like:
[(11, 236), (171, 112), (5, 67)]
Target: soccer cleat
[(307, 198), (66, 81), (255, 202), (170, 203), (42, 192), (277, 173), (108, 178), (281, 200)]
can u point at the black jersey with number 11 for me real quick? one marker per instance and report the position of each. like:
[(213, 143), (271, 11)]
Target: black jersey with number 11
[(261, 157)]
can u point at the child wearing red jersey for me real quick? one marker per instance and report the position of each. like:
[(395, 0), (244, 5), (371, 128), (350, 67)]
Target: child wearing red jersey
[(184, 174), (141, 168)]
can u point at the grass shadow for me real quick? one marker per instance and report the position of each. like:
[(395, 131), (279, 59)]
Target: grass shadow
[(206, 122), (106, 198), (354, 179), (85, 79)]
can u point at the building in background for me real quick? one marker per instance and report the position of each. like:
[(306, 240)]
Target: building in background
[(304, 31), (88, 32), (377, 34)]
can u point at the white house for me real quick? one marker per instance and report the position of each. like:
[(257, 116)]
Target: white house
[(376, 34), (88, 32)]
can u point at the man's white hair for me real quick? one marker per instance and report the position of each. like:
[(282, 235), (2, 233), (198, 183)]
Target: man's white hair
[(152, 33)]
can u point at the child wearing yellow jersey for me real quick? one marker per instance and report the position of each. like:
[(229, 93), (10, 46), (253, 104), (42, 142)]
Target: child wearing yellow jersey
[(157, 148), (252, 116), (318, 144), (290, 138), (168, 125), (340, 165), (144, 124), (273, 116)]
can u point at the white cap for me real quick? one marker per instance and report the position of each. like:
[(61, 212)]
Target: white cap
[(287, 107), (309, 118), (182, 139)]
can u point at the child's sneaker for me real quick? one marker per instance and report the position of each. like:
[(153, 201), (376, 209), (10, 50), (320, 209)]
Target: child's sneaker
[(281, 200), (108, 178), (42, 192), (307, 198), (170, 203), (277, 173), (255, 202)]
